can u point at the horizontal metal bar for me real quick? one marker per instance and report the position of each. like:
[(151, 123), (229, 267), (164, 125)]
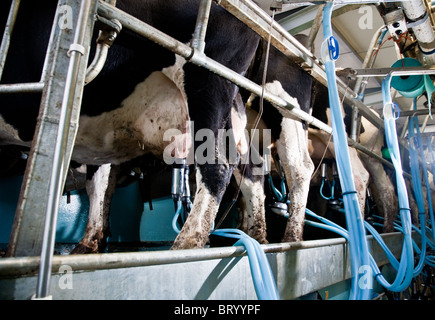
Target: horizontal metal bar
[(382, 72), (143, 29), (24, 266), (29, 265), (31, 87), (304, 267), (361, 148), (411, 113), (316, 2)]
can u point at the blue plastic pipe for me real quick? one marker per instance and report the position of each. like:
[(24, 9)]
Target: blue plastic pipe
[(406, 267), (176, 215), (359, 253), (327, 224), (264, 282), (414, 143)]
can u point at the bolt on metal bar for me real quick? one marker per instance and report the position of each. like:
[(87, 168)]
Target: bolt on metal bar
[(4, 48)]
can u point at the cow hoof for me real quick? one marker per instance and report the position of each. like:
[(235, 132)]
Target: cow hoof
[(84, 249)]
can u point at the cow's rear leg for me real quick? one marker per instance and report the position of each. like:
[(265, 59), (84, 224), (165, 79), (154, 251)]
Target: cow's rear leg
[(212, 181), (251, 180), (100, 187), (292, 148)]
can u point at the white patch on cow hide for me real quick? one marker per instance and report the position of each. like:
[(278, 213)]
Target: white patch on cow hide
[(276, 88), (176, 74), (239, 123), (138, 125)]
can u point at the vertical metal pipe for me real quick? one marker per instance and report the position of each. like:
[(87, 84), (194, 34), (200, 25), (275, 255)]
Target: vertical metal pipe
[(75, 53), (360, 82), (368, 59), (405, 125), (315, 28), (416, 10), (4, 48), (198, 41)]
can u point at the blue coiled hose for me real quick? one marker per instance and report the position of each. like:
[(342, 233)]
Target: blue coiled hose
[(357, 240)]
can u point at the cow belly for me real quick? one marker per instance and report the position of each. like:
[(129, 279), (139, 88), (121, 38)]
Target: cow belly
[(137, 127)]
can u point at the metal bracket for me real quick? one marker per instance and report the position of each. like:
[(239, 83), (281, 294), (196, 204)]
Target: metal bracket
[(105, 24), (109, 30)]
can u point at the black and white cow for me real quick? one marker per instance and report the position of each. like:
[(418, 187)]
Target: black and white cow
[(289, 81), (142, 91)]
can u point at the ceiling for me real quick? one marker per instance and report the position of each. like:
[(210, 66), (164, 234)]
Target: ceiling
[(354, 27)]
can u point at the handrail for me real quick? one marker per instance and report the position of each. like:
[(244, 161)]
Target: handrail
[(27, 266)]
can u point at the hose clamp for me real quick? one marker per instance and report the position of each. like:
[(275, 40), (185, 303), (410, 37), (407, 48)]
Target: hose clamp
[(333, 48), (391, 111), (75, 47), (330, 49)]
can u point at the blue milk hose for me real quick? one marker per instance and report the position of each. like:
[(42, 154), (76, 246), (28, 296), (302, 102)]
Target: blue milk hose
[(415, 142), (416, 181), (358, 243), (405, 269), (264, 282)]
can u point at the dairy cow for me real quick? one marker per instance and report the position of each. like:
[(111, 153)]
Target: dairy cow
[(290, 141), (142, 91)]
